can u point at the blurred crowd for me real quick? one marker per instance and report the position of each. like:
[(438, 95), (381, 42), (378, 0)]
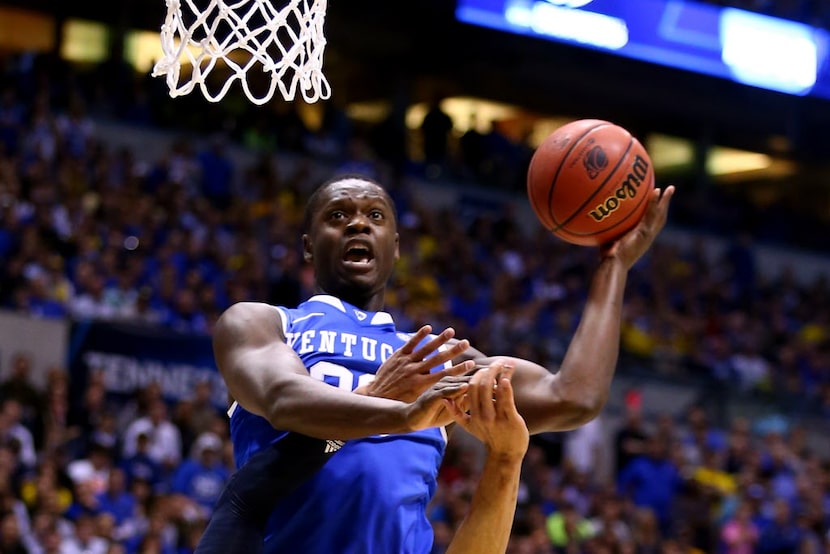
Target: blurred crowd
[(99, 476), (674, 485), (90, 231)]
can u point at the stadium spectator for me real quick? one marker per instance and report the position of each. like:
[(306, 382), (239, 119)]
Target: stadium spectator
[(84, 540), (17, 435), (652, 480), (740, 534), (93, 470), (164, 443), (201, 477), (586, 448), (18, 386), (631, 437), (779, 532), (568, 529), (117, 500), (436, 130)]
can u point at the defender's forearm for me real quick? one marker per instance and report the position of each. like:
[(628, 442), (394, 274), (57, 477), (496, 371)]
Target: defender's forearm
[(486, 529)]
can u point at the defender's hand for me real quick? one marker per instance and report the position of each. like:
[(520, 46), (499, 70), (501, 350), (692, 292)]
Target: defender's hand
[(632, 245), (406, 374), (430, 409), (492, 416)]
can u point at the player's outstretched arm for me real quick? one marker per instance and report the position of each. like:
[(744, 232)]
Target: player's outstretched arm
[(578, 391), (492, 417), (267, 378)]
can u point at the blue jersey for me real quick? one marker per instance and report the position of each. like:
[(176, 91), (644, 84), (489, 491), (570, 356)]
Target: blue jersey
[(371, 497)]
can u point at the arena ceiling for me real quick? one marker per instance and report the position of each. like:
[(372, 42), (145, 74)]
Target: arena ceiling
[(376, 45)]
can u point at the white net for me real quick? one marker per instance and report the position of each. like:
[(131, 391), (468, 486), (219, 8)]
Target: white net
[(250, 41)]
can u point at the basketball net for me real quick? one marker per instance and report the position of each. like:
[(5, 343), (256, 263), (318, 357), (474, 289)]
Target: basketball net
[(283, 45)]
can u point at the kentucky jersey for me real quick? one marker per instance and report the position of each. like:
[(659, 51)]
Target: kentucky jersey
[(371, 497)]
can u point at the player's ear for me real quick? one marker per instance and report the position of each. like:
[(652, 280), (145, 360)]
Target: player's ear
[(306, 249), (397, 246)]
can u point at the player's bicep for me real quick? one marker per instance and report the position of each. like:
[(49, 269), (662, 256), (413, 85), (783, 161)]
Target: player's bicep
[(252, 356)]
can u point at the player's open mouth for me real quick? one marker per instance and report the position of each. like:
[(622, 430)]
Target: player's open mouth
[(358, 254)]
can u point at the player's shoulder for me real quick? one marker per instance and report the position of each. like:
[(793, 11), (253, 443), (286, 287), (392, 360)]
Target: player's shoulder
[(242, 317), (246, 311)]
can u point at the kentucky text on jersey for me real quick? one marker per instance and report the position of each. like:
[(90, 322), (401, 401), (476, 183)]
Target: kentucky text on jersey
[(371, 496), (349, 344)]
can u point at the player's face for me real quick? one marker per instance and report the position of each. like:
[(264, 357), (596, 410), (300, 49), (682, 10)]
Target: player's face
[(353, 242)]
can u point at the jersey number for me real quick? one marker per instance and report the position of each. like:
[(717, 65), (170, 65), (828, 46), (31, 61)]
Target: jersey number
[(338, 375)]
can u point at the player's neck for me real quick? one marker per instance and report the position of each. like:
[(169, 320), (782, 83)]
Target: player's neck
[(368, 301)]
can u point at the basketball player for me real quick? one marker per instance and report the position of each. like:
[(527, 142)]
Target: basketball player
[(371, 497), (488, 412)]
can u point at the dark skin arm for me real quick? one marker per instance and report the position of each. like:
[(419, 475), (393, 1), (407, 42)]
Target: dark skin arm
[(268, 379), (577, 392)]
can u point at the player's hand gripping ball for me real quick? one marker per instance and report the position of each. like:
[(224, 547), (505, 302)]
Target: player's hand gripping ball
[(589, 182)]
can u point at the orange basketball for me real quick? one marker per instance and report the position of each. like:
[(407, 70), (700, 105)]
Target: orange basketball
[(589, 182)]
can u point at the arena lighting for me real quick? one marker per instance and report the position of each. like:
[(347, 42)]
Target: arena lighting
[(571, 3), (728, 161), (594, 29), (741, 46), (769, 52)]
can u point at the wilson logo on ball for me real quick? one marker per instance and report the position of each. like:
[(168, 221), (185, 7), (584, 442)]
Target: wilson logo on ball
[(595, 161), (627, 189)]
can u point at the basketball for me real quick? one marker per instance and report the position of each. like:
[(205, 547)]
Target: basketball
[(589, 181)]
